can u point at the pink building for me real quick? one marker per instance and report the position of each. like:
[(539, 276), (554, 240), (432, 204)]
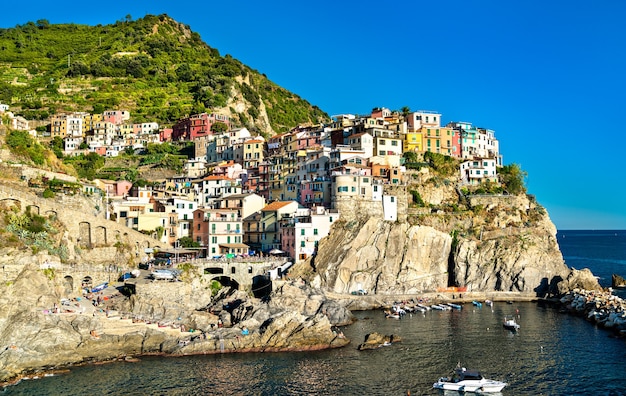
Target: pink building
[(197, 125)]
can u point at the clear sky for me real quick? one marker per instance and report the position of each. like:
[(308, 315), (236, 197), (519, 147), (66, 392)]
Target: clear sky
[(549, 77)]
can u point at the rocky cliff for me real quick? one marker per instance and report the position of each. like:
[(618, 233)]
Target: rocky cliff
[(495, 242), (40, 330)]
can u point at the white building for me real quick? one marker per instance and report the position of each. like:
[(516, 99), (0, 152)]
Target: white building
[(308, 234), (477, 170)]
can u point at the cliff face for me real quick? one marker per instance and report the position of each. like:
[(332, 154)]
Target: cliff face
[(383, 257), (486, 243)]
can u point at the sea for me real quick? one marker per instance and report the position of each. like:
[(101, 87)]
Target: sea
[(553, 353)]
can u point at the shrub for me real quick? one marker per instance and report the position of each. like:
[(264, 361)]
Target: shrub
[(417, 198), (48, 193)]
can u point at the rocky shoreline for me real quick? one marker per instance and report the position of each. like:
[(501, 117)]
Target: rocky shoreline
[(599, 307), (44, 333)]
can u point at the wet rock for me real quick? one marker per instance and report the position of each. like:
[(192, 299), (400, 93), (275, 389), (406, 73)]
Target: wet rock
[(377, 340), (618, 281)]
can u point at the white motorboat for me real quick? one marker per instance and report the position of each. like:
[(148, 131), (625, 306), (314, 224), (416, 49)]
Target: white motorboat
[(510, 324), (465, 380)]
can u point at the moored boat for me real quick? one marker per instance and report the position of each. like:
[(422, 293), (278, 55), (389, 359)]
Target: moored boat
[(477, 304), (455, 306), (465, 380), (510, 324)]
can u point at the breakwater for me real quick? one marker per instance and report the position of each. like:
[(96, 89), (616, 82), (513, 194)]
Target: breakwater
[(600, 307)]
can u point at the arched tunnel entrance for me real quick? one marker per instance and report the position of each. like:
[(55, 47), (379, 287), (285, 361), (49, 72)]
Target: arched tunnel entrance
[(261, 286), (226, 281)]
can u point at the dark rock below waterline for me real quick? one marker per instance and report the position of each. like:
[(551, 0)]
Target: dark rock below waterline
[(377, 340), (617, 281)]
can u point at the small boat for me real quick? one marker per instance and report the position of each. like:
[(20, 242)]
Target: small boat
[(465, 380), (477, 304), (392, 316), (100, 287), (425, 307), (439, 307), (455, 306), (510, 324), (488, 303)]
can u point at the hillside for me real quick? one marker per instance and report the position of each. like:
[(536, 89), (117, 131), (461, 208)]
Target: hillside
[(155, 67)]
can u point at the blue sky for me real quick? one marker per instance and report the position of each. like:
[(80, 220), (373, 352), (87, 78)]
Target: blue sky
[(548, 77)]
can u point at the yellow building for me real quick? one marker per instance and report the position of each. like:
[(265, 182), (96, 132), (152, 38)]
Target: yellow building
[(253, 153), (413, 142), (439, 140)]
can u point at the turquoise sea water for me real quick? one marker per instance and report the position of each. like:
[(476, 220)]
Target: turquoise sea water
[(552, 354)]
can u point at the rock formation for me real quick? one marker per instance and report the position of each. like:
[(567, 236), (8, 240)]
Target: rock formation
[(499, 243), (618, 281), (377, 340), (602, 308), (162, 318)]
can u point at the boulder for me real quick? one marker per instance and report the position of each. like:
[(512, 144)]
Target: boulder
[(377, 340), (578, 279), (617, 281)]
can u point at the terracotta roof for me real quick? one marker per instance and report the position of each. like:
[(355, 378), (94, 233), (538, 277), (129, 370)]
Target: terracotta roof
[(214, 177), (276, 205)]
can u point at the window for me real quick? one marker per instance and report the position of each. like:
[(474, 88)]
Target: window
[(366, 180), (302, 231), (393, 199), (394, 142), (353, 189), (382, 142), (214, 239), (315, 231), (302, 243)]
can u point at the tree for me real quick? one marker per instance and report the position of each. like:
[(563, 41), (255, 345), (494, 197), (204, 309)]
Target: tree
[(219, 127), (411, 156), (512, 179), (43, 23), (188, 242), (57, 146)]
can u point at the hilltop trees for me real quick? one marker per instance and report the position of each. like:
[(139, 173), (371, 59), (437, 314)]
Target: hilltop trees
[(155, 66)]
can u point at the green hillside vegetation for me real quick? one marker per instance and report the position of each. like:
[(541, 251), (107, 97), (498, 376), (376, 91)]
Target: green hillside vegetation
[(155, 67)]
